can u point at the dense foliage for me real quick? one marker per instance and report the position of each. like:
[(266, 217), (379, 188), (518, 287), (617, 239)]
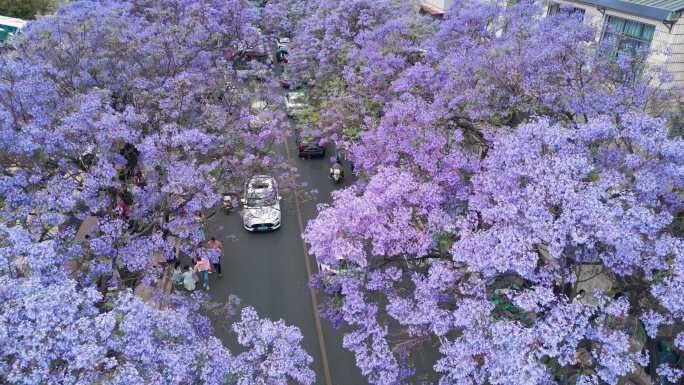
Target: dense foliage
[(28, 9), (502, 156), (121, 125), (517, 214)]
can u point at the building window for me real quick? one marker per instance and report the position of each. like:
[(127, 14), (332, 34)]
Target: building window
[(565, 9), (628, 35)]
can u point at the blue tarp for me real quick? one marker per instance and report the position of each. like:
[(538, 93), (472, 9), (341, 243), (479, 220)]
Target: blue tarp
[(6, 31)]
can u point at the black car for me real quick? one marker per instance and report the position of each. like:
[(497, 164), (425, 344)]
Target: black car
[(309, 147)]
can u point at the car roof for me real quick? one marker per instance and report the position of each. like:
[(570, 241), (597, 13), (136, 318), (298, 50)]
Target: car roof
[(305, 137), (296, 95), (267, 179)]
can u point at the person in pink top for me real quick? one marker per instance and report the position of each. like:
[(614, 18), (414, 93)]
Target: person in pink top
[(202, 267)]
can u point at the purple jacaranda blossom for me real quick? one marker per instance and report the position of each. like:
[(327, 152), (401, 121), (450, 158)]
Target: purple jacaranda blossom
[(274, 353), (535, 159), (57, 331), (122, 124)]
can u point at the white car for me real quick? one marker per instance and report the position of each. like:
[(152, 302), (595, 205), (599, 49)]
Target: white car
[(283, 42), (258, 119), (261, 204), (295, 102), (257, 74)]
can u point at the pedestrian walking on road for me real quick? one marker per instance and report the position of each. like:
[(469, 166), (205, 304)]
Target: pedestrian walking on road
[(218, 246), (188, 279), (202, 268), (177, 276)]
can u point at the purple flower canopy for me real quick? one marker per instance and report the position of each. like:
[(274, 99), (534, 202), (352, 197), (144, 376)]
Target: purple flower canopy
[(122, 123), (500, 154)]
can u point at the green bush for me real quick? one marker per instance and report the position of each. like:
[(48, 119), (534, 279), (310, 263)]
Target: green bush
[(28, 9)]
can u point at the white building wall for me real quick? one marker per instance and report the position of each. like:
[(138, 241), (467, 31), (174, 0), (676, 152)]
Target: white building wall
[(441, 4), (664, 41), (675, 61)]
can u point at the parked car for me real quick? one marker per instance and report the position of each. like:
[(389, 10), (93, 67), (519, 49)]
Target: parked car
[(259, 54), (295, 102), (283, 41), (309, 146), (258, 118), (252, 71), (257, 50), (261, 204)]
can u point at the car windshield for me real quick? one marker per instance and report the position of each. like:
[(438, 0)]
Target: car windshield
[(260, 194), (308, 139)]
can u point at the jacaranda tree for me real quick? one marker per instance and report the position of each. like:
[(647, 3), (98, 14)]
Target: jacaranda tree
[(282, 17), (132, 117), (347, 52), (510, 155)]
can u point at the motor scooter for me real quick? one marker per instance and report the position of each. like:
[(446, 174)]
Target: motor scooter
[(227, 203), (336, 174)]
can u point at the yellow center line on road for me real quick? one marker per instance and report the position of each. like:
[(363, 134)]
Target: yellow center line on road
[(312, 292)]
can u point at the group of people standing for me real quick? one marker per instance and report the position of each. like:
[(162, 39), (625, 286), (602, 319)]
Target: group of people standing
[(188, 277)]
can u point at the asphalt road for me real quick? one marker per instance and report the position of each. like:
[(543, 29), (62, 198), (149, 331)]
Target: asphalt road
[(269, 272)]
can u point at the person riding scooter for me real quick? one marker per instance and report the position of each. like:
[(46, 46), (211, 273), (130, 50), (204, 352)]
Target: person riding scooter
[(336, 172), (229, 202)]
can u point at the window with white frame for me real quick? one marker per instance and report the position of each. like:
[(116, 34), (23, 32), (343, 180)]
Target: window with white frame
[(565, 9), (628, 35)]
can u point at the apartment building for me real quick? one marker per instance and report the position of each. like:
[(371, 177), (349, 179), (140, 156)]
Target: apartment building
[(635, 24)]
